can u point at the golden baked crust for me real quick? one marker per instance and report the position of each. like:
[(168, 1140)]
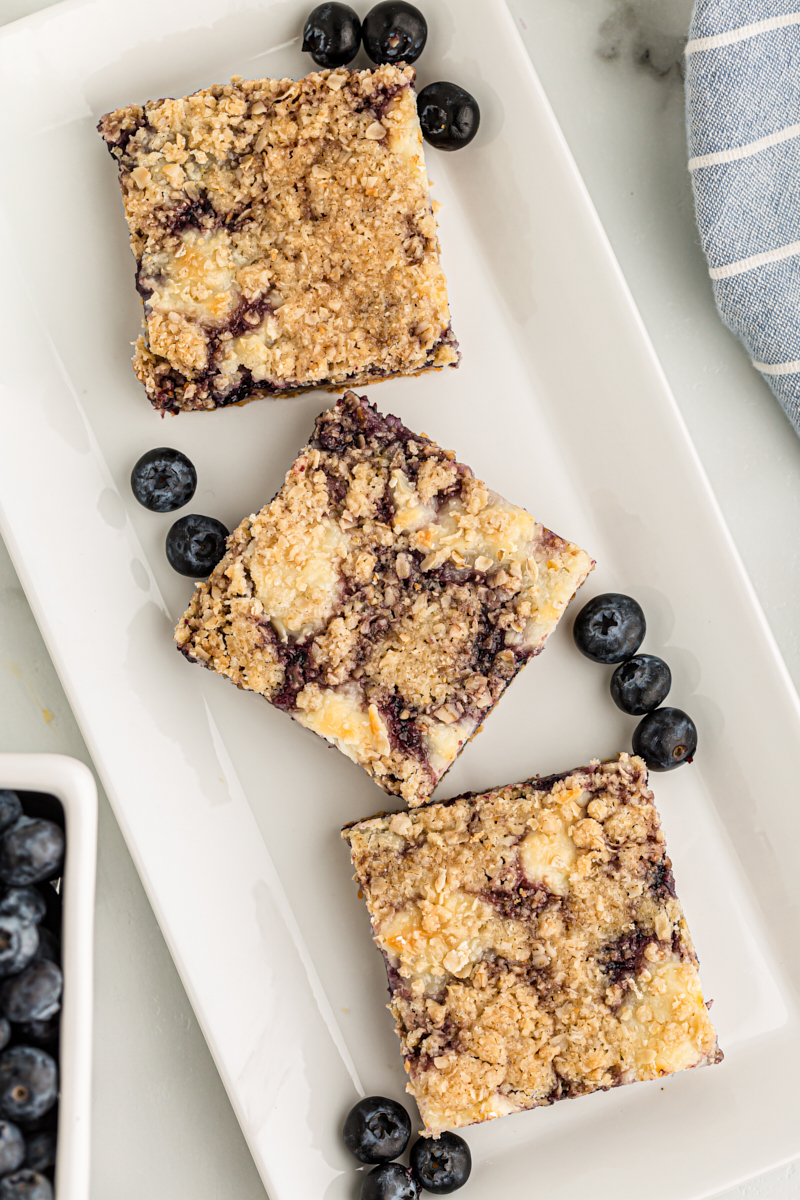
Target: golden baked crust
[(385, 597), (534, 943), (284, 237)]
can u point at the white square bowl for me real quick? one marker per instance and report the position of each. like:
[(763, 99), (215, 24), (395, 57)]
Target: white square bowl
[(73, 785)]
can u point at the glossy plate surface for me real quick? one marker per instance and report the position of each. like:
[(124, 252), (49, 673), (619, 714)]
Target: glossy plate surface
[(231, 811)]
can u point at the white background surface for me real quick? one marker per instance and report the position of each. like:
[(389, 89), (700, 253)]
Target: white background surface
[(162, 1124)]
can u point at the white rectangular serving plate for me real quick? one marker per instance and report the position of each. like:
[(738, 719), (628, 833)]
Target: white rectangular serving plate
[(232, 812), (73, 784)]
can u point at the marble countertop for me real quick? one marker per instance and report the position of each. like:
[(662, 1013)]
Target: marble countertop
[(162, 1124)]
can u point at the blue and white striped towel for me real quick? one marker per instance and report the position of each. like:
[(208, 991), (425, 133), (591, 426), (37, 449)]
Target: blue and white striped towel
[(743, 120)]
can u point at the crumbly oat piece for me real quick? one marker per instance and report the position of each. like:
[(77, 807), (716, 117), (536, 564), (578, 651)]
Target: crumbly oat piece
[(534, 944), (385, 597), (283, 235)]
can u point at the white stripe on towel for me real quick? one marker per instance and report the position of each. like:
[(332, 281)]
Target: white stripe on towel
[(755, 260), (737, 152), (732, 36), (787, 368)]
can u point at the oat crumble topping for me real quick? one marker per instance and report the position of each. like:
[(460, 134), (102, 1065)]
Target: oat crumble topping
[(284, 237), (385, 598), (534, 943)]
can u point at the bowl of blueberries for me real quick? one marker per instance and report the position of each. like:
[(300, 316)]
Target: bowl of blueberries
[(48, 842)]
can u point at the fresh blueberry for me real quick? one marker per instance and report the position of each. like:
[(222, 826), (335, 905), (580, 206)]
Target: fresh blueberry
[(195, 545), (49, 947), (28, 1083), (48, 1120), (163, 480), (53, 918), (665, 739), (26, 1185), (27, 903), (448, 115), (377, 1130), (31, 851), (40, 1150), (441, 1165), (34, 994), (10, 809), (43, 1034), (332, 35), (19, 941), (394, 32), (609, 628), (389, 1181), (5, 1032), (640, 684), (12, 1147)]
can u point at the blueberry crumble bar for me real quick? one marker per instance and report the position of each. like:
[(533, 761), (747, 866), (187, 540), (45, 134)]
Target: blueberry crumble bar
[(284, 237), (385, 597), (534, 944)]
